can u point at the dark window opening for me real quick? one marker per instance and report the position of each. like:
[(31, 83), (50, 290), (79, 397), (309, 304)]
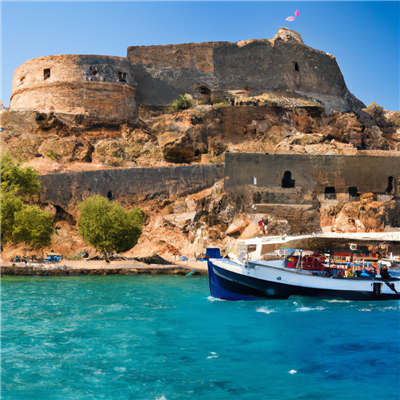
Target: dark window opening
[(353, 192), (330, 193), (257, 198), (110, 196), (122, 76), (46, 73), (287, 181), (202, 93), (93, 71), (389, 188), (296, 66), (197, 153)]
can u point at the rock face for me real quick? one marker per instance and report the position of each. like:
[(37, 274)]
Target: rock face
[(100, 88), (363, 216), (283, 63)]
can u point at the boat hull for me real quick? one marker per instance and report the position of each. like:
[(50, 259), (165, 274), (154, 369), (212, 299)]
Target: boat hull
[(229, 285)]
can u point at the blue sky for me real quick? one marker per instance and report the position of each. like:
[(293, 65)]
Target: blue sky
[(363, 36)]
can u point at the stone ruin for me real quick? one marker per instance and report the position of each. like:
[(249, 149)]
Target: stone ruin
[(109, 90)]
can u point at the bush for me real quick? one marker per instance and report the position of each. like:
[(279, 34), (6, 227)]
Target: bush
[(10, 204), (50, 154), (183, 103), (19, 222), (107, 226), (24, 181), (34, 226)]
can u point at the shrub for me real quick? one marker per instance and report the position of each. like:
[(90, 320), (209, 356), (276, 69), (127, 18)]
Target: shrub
[(34, 226), (24, 181), (182, 103), (19, 222), (50, 154), (107, 226), (10, 204)]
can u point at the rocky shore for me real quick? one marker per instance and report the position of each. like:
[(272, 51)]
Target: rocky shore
[(96, 268)]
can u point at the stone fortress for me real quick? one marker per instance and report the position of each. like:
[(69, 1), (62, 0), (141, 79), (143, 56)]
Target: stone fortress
[(96, 87), (112, 88), (295, 143)]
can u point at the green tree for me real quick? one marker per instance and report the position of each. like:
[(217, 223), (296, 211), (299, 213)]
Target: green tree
[(34, 226), (24, 181), (107, 226), (10, 204), (19, 222)]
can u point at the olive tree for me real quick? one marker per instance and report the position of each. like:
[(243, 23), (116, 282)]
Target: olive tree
[(33, 225), (107, 226)]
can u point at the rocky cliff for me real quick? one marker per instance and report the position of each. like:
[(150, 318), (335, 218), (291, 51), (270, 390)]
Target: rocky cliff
[(273, 96)]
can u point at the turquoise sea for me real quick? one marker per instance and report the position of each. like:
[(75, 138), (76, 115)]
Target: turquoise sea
[(164, 337)]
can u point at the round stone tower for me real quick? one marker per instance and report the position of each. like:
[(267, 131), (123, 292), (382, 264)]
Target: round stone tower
[(98, 87)]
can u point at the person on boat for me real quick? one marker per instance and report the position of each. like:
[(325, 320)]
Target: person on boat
[(358, 271), (385, 272), (368, 272), (349, 272)]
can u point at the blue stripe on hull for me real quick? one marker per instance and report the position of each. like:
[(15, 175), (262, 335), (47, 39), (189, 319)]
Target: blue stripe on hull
[(219, 292), (229, 285)]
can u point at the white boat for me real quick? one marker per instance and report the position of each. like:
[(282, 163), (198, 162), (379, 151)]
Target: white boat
[(291, 275)]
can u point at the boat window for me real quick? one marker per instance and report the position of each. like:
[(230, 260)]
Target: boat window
[(287, 181), (330, 193)]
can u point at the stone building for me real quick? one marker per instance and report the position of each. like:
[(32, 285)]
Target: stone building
[(106, 88), (101, 88), (294, 178), (218, 69)]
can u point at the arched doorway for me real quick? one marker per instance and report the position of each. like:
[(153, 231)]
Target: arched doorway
[(202, 93), (390, 185), (110, 197), (287, 181)]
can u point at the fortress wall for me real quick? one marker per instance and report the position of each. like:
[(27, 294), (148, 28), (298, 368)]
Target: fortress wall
[(129, 186), (270, 65), (165, 72), (96, 86), (102, 101), (312, 174)]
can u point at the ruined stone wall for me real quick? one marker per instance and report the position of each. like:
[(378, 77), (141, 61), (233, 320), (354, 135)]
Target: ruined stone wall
[(97, 87), (129, 186), (311, 174), (285, 63)]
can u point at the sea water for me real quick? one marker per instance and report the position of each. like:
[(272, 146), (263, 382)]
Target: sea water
[(164, 337)]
